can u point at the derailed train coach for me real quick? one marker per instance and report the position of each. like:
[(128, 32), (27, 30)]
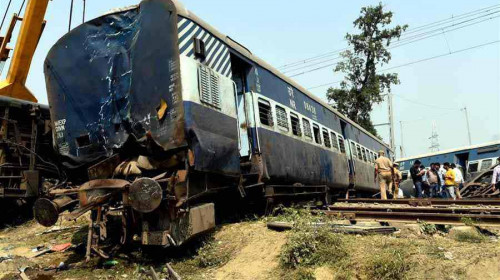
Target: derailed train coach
[(156, 114)]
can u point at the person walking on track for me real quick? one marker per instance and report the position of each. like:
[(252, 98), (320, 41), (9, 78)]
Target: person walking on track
[(449, 180), (384, 172), (495, 179), (398, 177)]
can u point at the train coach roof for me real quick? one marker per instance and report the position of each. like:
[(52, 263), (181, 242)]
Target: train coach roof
[(182, 11), (450, 151)]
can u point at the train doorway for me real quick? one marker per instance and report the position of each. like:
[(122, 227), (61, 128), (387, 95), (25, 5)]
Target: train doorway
[(240, 70), (343, 126), (462, 160)]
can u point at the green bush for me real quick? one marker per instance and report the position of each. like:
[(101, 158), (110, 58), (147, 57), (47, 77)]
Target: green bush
[(427, 228), (310, 246), (471, 237), (211, 255), (391, 264)]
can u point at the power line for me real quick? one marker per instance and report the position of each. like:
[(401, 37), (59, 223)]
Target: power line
[(406, 33), (424, 104), (421, 60), (400, 43)]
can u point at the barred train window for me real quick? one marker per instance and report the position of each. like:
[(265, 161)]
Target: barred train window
[(209, 87), (353, 149), (335, 145), (265, 113), (317, 134), (360, 154), (364, 155), (281, 118), (326, 138), (341, 144), (294, 120), (307, 129)]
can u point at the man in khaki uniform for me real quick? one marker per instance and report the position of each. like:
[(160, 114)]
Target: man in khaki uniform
[(398, 177), (384, 172)]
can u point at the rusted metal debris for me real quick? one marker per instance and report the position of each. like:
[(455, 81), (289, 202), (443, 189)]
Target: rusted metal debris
[(480, 186)]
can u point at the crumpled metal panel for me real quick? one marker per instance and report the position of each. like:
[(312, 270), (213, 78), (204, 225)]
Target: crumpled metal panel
[(108, 78)]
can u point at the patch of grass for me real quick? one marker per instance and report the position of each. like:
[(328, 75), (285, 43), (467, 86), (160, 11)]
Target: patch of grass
[(469, 221), (427, 228), (471, 237), (312, 245), (391, 264), (212, 255)]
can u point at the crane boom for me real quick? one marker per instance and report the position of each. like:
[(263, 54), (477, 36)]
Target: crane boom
[(31, 29)]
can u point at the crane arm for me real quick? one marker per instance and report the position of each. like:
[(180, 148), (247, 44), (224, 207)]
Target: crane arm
[(31, 28)]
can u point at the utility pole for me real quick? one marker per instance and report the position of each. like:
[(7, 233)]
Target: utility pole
[(391, 120), (467, 122), (401, 150)]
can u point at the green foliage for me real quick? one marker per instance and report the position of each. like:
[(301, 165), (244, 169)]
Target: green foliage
[(311, 245), (427, 228), (212, 255), (471, 237), (362, 85), (391, 264), (468, 221)]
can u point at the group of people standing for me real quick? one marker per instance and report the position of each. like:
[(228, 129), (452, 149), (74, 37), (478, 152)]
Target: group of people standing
[(437, 181)]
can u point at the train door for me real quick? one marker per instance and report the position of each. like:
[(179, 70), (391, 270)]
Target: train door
[(462, 160), (240, 70), (350, 163)]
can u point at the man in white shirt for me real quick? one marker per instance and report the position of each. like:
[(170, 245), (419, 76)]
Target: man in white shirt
[(459, 180), (495, 180)]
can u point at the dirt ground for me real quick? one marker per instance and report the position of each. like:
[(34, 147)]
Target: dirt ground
[(245, 250)]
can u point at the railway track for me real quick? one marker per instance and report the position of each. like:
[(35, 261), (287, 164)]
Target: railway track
[(426, 202), (483, 212)]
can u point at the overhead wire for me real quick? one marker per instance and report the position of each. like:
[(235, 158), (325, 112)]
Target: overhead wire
[(423, 36), (21, 8), (406, 33), (422, 60), (5, 14)]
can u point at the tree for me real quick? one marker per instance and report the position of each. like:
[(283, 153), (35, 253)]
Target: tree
[(363, 86)]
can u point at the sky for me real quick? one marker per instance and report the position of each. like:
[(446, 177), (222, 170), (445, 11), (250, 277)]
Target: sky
[(281, 32)]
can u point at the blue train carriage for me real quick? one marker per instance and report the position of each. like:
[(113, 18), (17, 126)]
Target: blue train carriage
[(159, 89), (471, 159), (293, 136)]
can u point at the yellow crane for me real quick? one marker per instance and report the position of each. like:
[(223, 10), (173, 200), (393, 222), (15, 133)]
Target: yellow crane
[(31, 29)]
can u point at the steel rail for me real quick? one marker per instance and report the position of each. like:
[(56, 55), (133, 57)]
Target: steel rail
[(432, 218), (447, 210), (470, 202)]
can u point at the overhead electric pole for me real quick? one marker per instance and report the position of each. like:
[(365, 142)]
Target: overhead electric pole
[(391, 121), (401, 150), (434, 138), (467, 122)]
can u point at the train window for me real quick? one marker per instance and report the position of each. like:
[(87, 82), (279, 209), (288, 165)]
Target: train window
[(326, 139), (473, 166), (353, 149), (335, 144), (372, 157), (485, 164), (294, 120), (317, 134), (307, 129), (281, 118), (365, 158), (341, 144), (265, 114), (360, 153)]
